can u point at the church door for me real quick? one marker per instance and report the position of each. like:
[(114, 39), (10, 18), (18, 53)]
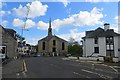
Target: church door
[(54, 51)]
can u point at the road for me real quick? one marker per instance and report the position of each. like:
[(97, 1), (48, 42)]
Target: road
[(61, 67)]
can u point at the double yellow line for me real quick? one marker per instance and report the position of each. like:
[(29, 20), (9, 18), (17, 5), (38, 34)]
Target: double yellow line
[(24, 67)]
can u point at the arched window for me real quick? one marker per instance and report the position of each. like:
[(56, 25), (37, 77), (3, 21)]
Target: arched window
[(54, 42), (63, 46), (43, 45)]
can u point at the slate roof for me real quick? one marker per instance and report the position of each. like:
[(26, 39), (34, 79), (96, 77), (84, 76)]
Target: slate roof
[(99, 32), (9, 31), (47, 38)]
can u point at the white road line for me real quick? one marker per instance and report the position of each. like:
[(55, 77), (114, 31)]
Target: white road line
[(80, 75), (102, 76), (114, 69), (25, 76), (111, 68)]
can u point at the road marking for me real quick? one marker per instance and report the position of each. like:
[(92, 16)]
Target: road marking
[(114, 69), (24, 67), (24, 73), (102, 76), (80, 75)]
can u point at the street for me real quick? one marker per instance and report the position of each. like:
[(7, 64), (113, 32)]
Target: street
[(60, 67)]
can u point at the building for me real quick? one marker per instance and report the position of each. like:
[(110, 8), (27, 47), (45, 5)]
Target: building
[(8, 42), (52, 45), (101, 42)]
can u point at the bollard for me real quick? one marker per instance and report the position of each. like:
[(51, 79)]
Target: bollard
[(93, 66), (78, 57)]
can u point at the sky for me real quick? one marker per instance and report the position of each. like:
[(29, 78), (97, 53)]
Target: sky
[(69, 19)]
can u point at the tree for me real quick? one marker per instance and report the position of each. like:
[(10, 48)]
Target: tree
[(21, 40), (74, 48)]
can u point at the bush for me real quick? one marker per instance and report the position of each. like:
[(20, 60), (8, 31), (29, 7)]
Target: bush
[(108, 59)]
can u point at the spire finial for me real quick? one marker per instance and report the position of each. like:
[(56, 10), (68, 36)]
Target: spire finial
[(50, 29), (50, 23)]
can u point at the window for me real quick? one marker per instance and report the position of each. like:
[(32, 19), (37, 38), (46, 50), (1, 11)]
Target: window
[(43, 46), (109, 40), (108, 47), (96, 49), (63, 46), (96, 40), (109, 43), (54, 42)]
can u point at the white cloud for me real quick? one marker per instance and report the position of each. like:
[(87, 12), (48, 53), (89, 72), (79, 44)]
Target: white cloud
[(8, 12), (65, 2), (42, 25), (74, 33), (83, 18), (32, 41), (0, 4), (2, 12), (4, 23), (29, 24), (36, 9), (116, 25), (20, 23), (102, 0)]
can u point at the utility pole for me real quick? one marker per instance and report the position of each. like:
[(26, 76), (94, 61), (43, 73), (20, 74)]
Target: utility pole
[(23, 28)]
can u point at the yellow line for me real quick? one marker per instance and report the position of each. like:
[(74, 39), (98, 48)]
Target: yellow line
[(24, 66)]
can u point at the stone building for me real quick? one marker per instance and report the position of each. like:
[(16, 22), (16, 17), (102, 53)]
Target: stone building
[(52, 45), (8, 42)]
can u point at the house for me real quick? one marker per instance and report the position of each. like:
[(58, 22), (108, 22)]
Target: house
[(8, 42), (52, 45), (101, 42)]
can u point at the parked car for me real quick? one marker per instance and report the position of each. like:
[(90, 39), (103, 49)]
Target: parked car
[(36, 55), (67, 55)]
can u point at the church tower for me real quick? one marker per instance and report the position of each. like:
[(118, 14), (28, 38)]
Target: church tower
[(50, 29)]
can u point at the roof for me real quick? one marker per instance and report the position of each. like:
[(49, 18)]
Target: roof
[(47, 38), (99, 32), (9, 31)]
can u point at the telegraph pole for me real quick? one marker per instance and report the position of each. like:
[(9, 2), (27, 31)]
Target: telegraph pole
[(23, 28)]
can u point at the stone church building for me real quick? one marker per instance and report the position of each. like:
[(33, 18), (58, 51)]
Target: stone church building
[(52, 45)]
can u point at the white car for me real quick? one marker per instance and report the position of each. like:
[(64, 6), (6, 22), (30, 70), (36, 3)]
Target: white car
[(2, 56)]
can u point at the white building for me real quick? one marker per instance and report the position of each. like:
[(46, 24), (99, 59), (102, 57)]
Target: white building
[(101, 42)]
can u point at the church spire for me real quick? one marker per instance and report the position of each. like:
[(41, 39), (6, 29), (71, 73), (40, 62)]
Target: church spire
[(50, 23), (50, 29)]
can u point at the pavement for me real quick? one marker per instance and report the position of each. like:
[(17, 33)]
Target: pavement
[(12, 68), (96, 62)]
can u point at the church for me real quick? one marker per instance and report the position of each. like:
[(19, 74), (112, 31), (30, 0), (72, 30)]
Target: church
[(52, 45)]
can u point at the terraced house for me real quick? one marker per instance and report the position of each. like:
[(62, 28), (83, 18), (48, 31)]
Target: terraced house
[(8, 42), (102, 42)]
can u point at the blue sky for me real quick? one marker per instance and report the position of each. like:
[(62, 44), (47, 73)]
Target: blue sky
[(68, 19)]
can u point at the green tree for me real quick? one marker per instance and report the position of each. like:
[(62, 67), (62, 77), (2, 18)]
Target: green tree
[(21, 40), (74, 48)]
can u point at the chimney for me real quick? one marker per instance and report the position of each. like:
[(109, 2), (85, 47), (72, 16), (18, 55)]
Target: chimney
[(106, 26)]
